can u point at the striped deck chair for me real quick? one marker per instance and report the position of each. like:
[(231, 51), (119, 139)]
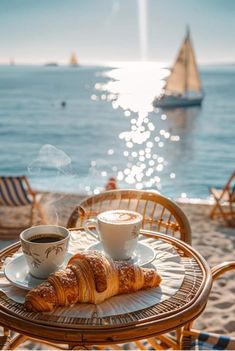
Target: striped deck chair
[(193, 339), (16, 192), (225, 201), (208, 341)]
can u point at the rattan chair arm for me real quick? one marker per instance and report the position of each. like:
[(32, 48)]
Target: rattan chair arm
[(216, 271), (221, 268)]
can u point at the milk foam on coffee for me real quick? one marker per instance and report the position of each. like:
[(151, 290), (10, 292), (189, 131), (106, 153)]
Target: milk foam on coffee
[(119, 217)]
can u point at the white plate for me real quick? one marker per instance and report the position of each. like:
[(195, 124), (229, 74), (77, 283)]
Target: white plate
[(143, 254), (17, 272)]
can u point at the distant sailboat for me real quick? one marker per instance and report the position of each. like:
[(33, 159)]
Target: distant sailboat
[(73, 60), (183, 86)]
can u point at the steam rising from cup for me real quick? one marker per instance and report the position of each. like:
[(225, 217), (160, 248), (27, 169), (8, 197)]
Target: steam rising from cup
[(58, 164), (50, 157)]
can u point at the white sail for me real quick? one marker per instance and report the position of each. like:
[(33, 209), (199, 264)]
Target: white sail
[(184, 75), (193, 78), (176, 81)]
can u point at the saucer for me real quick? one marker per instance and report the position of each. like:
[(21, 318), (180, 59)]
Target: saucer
[(17, 272), (143, 253)]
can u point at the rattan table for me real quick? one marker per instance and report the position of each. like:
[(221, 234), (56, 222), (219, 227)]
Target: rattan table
[(172, 313)]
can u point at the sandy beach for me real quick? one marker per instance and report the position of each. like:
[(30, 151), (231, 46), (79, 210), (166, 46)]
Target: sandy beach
[(211, 238)]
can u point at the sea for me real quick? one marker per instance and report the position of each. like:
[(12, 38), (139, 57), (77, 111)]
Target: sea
[(69, 129)]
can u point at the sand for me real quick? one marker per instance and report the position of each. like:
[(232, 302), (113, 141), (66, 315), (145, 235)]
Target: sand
[(212, 238)]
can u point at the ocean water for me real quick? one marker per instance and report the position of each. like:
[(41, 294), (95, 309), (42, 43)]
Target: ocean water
[(109, 128)]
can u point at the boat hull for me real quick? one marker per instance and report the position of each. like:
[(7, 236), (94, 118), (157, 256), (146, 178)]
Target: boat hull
[(175, 101)]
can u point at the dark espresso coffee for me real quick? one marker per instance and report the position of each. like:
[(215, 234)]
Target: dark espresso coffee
[(45, 238)]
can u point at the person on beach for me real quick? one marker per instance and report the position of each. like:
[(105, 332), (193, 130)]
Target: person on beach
[(111, 184)]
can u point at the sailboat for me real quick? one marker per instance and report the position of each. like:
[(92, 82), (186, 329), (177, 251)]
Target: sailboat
[(73, 60), (183, 86)]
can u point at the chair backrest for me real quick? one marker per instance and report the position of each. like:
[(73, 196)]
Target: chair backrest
[(159, 213), (14, 191), (232, 194), (230, 187)]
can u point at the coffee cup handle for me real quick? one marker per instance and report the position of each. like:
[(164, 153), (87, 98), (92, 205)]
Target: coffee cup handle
[(88, 230)]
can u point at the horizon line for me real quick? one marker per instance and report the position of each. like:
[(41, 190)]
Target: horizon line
[(110, 63)]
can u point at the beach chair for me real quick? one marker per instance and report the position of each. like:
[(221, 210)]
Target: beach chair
[(193, 339), (224, 201), (159, 213), (15, 192)]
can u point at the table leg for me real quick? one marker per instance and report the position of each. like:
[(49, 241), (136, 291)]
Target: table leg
[(16, 341), (6, 332), (178, 336), (186, 340)]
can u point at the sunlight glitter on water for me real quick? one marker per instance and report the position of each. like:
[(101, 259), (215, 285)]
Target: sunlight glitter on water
[(134, 87)]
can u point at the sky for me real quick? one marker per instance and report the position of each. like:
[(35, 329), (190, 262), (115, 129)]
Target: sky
[(33, 31)]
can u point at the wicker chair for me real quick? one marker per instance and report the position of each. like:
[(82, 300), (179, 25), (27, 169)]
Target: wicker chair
[(195, 339), (17, 192), (159, 213)]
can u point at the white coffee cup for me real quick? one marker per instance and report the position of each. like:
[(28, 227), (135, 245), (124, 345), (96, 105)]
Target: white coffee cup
[(118, 230), (44, 247)]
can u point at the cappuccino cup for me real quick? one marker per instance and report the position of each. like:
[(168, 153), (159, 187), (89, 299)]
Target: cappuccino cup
[(44, 248), (118, 231)]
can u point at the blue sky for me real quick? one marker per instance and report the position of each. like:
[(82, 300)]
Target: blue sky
[(108, 30)]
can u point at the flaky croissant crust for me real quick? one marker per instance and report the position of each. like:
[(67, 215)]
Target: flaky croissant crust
[(90, 277)]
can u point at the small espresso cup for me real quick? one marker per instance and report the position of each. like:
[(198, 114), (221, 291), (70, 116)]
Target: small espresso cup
[(118, 230), (44, 247)]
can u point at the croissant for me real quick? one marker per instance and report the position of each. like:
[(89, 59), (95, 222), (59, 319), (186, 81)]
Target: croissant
[(89, 277)]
